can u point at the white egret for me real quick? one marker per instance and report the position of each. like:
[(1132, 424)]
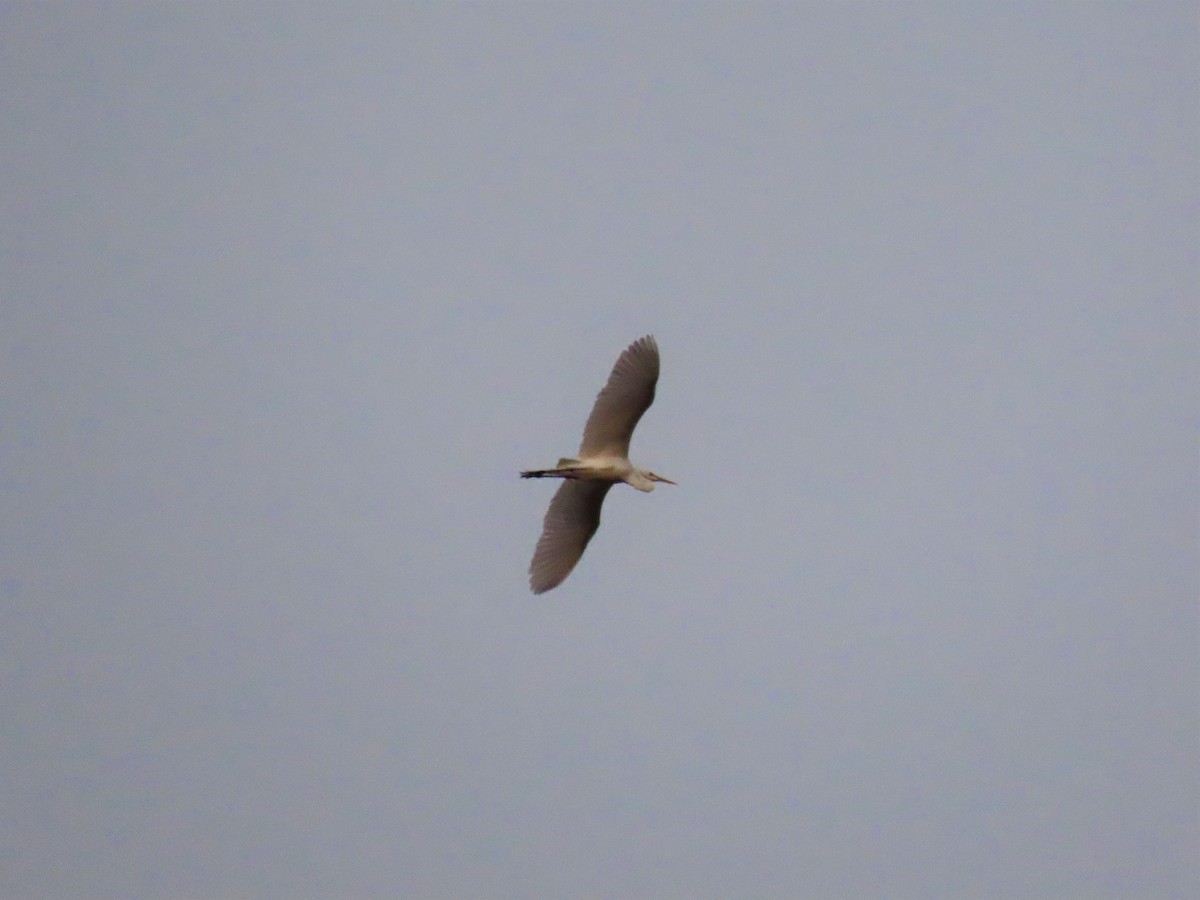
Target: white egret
[(602, 461)]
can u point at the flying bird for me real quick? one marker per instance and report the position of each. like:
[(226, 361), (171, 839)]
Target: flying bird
[(602, 461)]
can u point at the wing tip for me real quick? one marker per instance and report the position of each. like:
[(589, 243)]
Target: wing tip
[(541, 587), (646, 340)]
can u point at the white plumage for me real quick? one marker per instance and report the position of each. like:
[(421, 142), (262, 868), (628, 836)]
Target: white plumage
[(602, 461)]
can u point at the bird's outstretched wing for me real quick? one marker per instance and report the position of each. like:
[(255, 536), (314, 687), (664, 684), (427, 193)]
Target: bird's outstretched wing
[(628, 394), (571, 520)]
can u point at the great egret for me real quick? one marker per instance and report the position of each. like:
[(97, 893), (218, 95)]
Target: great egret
[(602, 461)]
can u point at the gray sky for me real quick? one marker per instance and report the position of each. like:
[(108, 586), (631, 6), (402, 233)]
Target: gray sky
[(291, 293)]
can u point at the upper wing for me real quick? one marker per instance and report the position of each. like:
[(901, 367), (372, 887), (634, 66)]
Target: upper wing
[(571, 520), (628, 394)]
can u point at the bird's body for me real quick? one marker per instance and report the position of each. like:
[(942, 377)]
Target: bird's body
[(602, 461), (596, 468)]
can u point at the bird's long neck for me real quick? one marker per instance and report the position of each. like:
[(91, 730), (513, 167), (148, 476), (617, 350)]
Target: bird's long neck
[(636, 478)]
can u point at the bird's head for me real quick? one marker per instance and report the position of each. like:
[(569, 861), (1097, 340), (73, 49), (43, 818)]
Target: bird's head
[(643, 480)]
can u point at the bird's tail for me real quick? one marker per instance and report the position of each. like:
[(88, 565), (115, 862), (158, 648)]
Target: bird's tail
[(565, 468)]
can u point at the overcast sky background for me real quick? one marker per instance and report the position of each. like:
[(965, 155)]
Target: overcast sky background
[(289, 294)]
